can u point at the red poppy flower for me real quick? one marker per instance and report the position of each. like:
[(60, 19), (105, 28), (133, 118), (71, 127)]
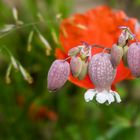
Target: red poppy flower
[(96, 26)]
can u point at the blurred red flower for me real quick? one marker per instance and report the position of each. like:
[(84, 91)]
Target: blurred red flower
[(41, 112), (96, 26)]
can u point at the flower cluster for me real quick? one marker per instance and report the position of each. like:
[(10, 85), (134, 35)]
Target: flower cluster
[(98, 69)]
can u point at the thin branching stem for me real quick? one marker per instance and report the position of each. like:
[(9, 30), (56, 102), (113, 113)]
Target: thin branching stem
[(18, 27), (99, 46), (67, 58)]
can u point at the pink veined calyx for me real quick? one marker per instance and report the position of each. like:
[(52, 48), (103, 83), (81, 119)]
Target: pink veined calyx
[(102, 74)]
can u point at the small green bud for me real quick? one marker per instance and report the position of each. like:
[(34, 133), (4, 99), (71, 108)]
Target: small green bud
[(124, 58), (76, 65), (74, 51), (84, 70), (116, 55), (85, 52), (122, 40)]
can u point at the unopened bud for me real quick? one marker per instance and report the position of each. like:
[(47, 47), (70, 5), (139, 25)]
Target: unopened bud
[(76, 66), (73, 51), (58, 74), (125, 35), (123, 38), (124, 58), (133, 58), (84, 70), (116, 55), (85, 52)]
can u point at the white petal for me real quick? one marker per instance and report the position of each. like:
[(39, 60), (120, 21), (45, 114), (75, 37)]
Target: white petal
[(102, 97), (110, 98), (117, 96), (89, 94)]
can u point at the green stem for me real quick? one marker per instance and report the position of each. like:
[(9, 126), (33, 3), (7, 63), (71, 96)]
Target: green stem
[(102, 47), (6, 50), (17, 28)]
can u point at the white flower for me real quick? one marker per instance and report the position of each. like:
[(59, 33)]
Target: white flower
[(103, 96)]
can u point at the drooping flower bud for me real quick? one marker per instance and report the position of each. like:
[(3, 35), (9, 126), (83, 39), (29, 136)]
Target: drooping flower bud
[(58, 74), (125, 35), (123, 38), (75, 65), (85, 52), (74, 51), (133, 58), (102, 74), (116, 55), (84, 70), (124, 58)]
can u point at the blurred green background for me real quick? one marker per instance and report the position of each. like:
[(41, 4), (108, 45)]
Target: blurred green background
[(27, 110)]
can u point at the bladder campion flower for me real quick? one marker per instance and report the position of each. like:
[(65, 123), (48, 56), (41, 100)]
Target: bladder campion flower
[(90, 68), (102, 74), (101, 27)]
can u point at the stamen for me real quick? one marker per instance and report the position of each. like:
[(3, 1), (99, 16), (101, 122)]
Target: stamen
[(83, 27)]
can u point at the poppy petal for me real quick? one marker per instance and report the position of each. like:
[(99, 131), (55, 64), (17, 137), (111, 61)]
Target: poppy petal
[(96, 26)]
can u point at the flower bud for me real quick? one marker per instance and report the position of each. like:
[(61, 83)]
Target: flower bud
[(73, 51), (58, 74), (133, 58), (85, 52), (76, 65), (123, 38), (116, 55), (125, 35), (84, 70), (124, 58)]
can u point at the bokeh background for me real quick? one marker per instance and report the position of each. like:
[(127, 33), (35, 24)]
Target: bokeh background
[(27, 110)]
